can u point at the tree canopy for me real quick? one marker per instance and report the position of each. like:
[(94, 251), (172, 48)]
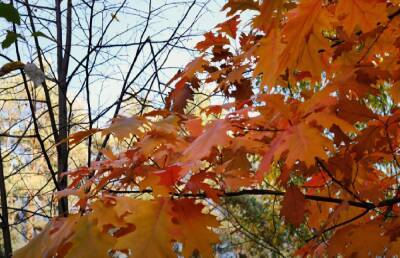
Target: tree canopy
[(307, 111)]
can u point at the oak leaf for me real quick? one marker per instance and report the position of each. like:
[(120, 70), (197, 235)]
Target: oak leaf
[(153, 229), (195, 227), (301, 143), (211, 40), (293, 206), (194, 126), (178, 98), (363, 13), (240, 5), (215, 134), (53, 240), (229, 26), (77, 137), (350, 241), (88, 241), (123, 127)]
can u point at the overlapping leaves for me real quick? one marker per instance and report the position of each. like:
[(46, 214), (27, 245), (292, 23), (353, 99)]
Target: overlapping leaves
[(318, 68)]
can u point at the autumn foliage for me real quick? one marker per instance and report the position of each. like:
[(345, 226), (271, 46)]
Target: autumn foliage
[(303, 80)]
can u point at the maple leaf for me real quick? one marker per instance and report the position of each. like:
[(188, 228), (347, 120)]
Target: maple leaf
[(196, 65), (220, 53), (276, 105), (368, 139), (349, 83), (236, 75), (160, 222), (288, 45), (300, 44), (327, 120), (318, 213), (363, 13), (108, 154), (105, 215), (266, 17), (243, 91), (293, 206), (179, 96)]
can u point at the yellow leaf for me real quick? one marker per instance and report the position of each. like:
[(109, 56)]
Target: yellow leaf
[(51, 241), (123, 127), (88, 241), (153, 229)]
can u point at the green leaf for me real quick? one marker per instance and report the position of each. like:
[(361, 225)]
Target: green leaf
[(41, 34), (8, 12), (10, 39)]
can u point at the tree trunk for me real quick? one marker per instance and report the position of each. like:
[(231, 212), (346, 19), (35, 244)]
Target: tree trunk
[(62, 71), (5, 226)]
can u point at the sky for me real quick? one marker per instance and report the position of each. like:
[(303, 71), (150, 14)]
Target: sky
[(107, 78), (160, 29)]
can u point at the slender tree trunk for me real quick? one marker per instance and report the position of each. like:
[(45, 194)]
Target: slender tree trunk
[(5, 226), (62, 71)]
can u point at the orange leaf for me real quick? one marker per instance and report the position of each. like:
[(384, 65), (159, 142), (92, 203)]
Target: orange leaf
[(240, 5), (52, 240), (364, 13), (77, 137), (358, 241), (229, 26), (214, 135), (270, 51), (88, 235), (301, 142), (194, 227), (395, 92), (194, 127), (211, 40)]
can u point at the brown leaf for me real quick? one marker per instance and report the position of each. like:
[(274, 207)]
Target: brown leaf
[(293, 206)]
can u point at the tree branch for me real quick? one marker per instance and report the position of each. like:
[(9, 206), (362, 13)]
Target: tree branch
[(359, 204)]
